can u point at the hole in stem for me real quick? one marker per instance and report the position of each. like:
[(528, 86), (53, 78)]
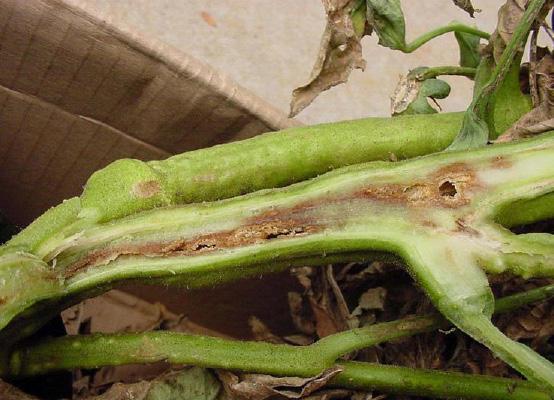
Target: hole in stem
[(545, 226), (447, 189)]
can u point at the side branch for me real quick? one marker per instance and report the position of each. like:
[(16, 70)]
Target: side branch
[(99, 350)]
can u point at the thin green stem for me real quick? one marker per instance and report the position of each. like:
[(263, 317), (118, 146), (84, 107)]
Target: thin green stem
[(100, 350), (435, 384), (433, 72), (453, 27), (514, 301)]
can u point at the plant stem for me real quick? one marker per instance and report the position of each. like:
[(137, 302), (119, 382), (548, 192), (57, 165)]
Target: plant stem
[(270, 160), (453, 27), (100, 350), (474, 132), (433, 72), (435, 384), (514, 301)]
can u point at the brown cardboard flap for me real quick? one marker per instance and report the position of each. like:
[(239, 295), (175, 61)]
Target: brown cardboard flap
[(77, 93)]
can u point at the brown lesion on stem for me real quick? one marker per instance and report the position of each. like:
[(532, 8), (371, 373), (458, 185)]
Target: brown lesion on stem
[(448, 187), (242, 236)]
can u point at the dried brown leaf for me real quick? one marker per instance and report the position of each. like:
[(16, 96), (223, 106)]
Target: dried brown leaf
[(300, 318), (259, 386), (509, 16), (9, 392), (261, 332), (467, 7), (330, 312), (339, 53), (405, 93), (372, 299)]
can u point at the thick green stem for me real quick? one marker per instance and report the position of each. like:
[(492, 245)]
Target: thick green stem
[(266, 161), (435, 212), (453, 27)]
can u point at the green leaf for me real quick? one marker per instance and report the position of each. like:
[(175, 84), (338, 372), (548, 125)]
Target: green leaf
[(387, 19), (508, 104), (474, 133), (411, 94), (469, 49)]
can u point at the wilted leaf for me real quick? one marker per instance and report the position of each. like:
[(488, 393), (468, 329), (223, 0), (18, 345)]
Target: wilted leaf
[(339, 53), (410, 95), (387, 19), (541, 118), (509, 16), (469, 49), (467, 7), (260, 387)]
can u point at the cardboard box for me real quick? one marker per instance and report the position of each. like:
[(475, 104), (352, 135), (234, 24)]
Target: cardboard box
[(78, 91)]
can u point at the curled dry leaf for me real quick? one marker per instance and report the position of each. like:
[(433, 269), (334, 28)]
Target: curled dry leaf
[(411, 93), (372, 299), (509, 16), (259, 386), (467, 7), (340, 52), (541, 118)]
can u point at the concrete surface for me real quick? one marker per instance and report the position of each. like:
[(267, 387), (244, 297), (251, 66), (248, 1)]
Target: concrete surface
[(269, 47)]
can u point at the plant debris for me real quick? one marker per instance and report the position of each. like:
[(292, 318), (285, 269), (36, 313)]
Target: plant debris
[(467, 7), (411, 93), (260, 387), (340, 52)]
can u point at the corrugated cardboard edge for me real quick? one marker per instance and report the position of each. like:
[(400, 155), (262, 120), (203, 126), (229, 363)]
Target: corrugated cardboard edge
[(79, 90), (180, 62)]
